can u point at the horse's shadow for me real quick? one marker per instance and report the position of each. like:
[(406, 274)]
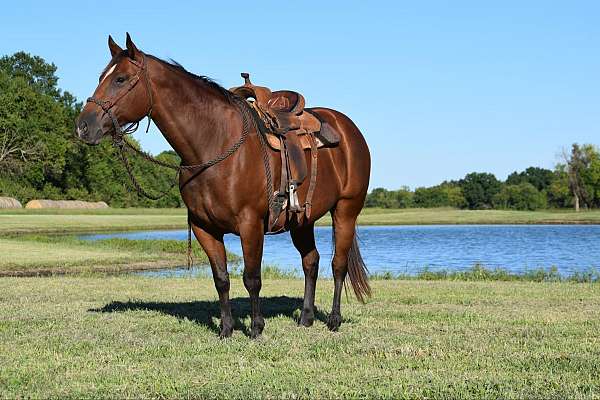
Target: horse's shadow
[(205, 312)]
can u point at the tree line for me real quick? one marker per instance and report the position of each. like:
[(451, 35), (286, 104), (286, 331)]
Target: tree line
[(40, 157), (575, 182)]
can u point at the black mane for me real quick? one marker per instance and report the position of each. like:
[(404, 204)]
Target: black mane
[(203, 79)]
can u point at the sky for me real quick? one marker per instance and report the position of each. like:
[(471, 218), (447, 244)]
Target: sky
[(438, 88)]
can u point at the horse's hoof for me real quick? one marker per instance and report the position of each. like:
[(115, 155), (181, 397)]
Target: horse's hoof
[(257, 327), (306, 318), (226, 331), (255, 333), (333, 322)]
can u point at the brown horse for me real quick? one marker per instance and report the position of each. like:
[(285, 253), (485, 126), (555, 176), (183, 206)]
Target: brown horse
[(201, 120)]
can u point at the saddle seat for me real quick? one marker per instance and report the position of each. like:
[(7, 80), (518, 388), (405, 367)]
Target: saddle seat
[(289, 128), (284, 111)]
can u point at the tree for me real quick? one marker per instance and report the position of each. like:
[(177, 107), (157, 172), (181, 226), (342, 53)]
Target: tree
[(479, 189), (40, 157), (558, 193), (33, 125), (523, 196), (541, 178), (583, 171), (404, 197), (37, 73), (443, 195), (380, 197), (16, 149)]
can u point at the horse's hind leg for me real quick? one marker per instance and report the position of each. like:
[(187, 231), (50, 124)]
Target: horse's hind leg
[(215, 250), (304, 241), (344, 219), (252, 238)]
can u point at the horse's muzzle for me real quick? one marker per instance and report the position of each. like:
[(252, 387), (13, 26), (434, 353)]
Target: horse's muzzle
[(88, 128)]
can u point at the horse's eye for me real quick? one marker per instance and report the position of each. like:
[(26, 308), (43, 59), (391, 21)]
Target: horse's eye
[(121, 79)]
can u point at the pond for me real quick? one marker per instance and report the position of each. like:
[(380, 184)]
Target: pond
[(410, 249)]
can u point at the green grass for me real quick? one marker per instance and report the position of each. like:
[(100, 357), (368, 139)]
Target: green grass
[(43, 255), (116, 337), (64, 221), (443, 216), (71, 221)]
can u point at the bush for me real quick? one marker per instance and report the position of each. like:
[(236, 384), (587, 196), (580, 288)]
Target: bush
[(444, 195), (380, 197), (523, 196)]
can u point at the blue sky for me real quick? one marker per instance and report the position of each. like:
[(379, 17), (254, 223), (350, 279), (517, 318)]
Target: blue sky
[(439, 89)]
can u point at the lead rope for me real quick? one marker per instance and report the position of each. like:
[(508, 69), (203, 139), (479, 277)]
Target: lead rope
[(121, 143), (190, 259), (140, 189)]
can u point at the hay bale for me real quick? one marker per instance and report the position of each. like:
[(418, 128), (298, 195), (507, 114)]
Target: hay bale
[(66, 204), (9, 202)]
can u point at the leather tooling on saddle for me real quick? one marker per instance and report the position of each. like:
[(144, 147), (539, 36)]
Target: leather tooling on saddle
[(289, 128)]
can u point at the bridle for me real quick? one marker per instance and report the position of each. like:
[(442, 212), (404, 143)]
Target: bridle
[(108, 104), (118, 134), (119, 141)]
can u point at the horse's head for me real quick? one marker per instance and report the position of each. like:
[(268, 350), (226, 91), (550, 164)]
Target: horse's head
[(123, 95)]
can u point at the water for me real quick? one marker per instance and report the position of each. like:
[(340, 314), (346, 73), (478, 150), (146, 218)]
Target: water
[(410, 249)]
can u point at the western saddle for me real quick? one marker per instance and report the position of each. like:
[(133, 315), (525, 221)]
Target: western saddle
[(289, 128)]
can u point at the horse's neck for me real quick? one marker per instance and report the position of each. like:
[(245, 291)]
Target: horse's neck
[(196, 121)]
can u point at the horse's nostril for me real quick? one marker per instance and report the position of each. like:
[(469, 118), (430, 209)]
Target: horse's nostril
[(83, 126)]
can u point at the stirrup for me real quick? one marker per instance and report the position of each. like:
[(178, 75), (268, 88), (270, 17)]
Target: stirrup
[(294, 202)]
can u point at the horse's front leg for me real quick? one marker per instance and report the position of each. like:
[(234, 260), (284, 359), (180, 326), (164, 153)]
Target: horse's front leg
[(215, 250), (252, 237)]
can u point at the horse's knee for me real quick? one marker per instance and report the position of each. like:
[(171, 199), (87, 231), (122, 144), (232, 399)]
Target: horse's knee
[(252, 282), (221, 278), (310, 263)]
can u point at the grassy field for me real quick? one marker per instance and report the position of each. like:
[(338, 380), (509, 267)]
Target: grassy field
[(456, 335), (79, 221), (30, 255), (443, 216), (116, 337), (69, 221)]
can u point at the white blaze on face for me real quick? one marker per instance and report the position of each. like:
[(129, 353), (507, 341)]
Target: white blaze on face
[(110, 71)]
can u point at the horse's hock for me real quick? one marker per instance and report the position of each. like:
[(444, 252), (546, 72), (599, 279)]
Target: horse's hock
[(9, 202), (65, 204)]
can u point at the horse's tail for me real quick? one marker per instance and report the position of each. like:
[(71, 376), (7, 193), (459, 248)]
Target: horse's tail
[(357, 270)]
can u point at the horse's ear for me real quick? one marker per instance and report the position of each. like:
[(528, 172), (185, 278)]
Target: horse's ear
[(114, 47), (132, 51)]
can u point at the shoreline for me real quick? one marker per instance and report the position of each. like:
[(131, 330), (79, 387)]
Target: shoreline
[(46, 242), (62, 222)]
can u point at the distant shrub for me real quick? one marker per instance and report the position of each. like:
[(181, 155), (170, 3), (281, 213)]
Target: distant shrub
[(444, 195), (523, 196), (380, 197)]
